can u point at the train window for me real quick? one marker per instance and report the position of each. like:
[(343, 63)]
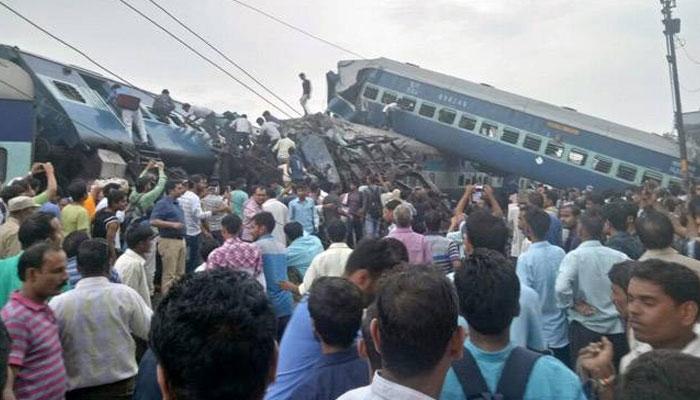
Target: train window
[(578, 157), (3, 164), (554, 150), (69, 92), (532, 143), (652, 176), (407, 104), (602, 164), (488, 129), (627, 172), (427, 110), (467, 123), (447, 116), (510, 136), (389, 97), (370, 93)]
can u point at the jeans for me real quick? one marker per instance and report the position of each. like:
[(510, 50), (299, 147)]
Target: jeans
[(372, 227), (122, 390), (580, 337), (192, 252), (355, 230)]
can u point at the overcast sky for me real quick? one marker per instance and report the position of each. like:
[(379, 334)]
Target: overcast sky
[(603, 57)]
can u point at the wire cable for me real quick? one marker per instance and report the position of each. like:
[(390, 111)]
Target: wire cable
[(70, 46), (300, 30), (207, 59), (219, 52)]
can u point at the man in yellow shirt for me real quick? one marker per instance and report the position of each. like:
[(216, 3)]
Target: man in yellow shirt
[(74, 216)]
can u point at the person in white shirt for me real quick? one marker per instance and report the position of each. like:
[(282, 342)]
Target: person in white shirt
[(242, 129), (280, 212), (96, 322), (389, 111), (329, 263), (417, 335), (194, 114), (194, 215), (131, 266), (282, 149), (271, 129)]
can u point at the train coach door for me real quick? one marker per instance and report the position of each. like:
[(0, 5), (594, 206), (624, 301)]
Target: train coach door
[(16, 120)]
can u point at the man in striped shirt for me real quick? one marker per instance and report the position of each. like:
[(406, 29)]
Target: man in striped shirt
[(36, 364)]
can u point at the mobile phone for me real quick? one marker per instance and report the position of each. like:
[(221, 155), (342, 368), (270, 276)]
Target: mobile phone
[(476, 194)]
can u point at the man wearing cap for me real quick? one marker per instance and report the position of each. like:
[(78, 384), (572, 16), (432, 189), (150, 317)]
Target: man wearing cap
[(19, 208)]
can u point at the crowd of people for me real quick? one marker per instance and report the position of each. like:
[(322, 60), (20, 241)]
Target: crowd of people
[(199, 289)]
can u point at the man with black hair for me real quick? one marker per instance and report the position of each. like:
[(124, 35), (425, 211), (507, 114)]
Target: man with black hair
[(445, 251), (299, 348), (331, 262), (655, 230), (270, 129), (169, 218), (194, 215), (569, 215), (620, 275), (19, 208), (274, 264), (618, 217), (5, 344), (39, 227), (36, 363), (303, 209), (96, 321), (236, 254), (388, 213), (484, 230), (251, 208), (213, 336), (554, 235), (306, 92), (661, 374), (537, 268), (336, 307), (417, 335), (106, 224), (488, 291), (238, 196), (279, 211), (583, 289), (131, 266), (365, 344), (302, 249), (74, 216)]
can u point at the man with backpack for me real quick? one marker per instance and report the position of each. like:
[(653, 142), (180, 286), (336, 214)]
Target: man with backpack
[(493, 367), (372, 207)]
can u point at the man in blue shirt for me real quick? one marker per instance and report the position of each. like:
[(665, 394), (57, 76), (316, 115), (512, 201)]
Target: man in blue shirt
[(488, 291), (274, 267), (538, 268), (554, 234), (168, 217), (299, 348), (302, 247), (583, 289), (335, 306), (303, 210)]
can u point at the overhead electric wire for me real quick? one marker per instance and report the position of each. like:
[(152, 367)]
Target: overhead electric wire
[(209, 60), (63, 42), (219, 52), (300, 30)]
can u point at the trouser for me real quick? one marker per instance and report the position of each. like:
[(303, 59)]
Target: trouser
[(192, 252), (150, 265), (580, 337), (218, 236), (122, 390), (303, 100), (172, 254), (562, 354), (209, 126), (131, 117), (281, 326), (371, 227), (355, 229)]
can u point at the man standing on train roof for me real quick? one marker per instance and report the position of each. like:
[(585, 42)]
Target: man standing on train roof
[(242, 129), (271, 118), (207, 116), (129, 109), (163, 105), (306, 92)]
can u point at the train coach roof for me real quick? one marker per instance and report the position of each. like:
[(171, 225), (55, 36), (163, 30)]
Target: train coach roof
[(534, 107)]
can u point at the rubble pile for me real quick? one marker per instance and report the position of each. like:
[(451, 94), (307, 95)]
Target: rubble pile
[(338, 152)]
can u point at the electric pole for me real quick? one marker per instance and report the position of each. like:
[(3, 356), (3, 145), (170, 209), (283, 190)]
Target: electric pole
[(672, 26)]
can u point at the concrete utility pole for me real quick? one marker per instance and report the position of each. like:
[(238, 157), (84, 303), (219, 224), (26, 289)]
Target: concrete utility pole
[(672, 26)]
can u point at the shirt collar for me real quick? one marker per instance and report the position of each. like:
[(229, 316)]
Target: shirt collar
[(543, 243), (27, 302), (92, 281), (403, 230), (386, 389), (590, 243), (339, 245), (134, 254)]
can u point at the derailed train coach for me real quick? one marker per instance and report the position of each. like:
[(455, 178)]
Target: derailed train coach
[(50, 111), (512, 134)]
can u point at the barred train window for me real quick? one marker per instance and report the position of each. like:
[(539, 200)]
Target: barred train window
[(467, 123), (532, 143), (370, 93), (407, 104), (447, 116), (388, 97), (427, 110), (554, 150), (69, 92), (627, 172), (602, 164), (578, 157), (510, 136)]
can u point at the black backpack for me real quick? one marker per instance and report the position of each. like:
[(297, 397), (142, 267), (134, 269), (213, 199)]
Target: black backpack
[(374, 202), (514, 377)]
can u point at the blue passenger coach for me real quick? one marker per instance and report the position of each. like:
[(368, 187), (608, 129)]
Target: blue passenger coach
[(500, 130)]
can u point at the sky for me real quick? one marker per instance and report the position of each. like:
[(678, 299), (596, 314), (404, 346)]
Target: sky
[(604, 58)]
